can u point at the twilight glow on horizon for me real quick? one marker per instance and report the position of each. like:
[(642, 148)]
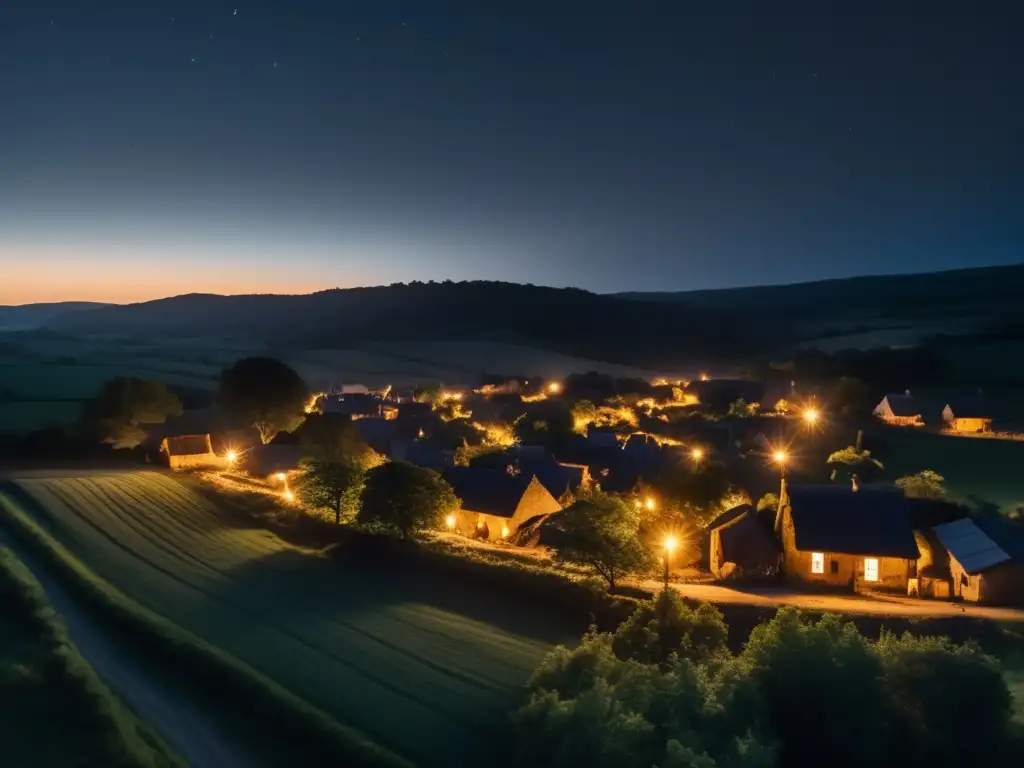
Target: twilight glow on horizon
[(158, 148)]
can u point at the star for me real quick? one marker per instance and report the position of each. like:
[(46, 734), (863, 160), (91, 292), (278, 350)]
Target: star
[(275, 65)]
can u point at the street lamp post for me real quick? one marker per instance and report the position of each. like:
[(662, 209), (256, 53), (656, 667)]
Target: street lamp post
[(670, 546), (782, 459)]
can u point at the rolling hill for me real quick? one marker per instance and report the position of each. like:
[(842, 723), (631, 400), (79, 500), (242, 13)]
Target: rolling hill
[(30, 316)]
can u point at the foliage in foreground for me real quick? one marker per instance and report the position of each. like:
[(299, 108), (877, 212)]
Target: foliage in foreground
[(801, 692), (402, 499), (54, 710)]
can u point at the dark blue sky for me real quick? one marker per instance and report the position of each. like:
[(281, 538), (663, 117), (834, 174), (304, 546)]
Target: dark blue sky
[(157, 148)]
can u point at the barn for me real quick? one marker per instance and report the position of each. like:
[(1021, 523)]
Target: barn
[(190, 452), (967, 414)]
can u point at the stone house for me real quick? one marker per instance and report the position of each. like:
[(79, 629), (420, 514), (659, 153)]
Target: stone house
[(967, 414), (493, 503), (847, 537), (183, 452), (986, 559), (899, 410)]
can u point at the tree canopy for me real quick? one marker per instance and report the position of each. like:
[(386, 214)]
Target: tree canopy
[(125, 405), (664, 690), (402, 499), (332, 485), (601, 532), (926, 484), (265, 394)]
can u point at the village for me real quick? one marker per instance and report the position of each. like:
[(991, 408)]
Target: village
[(736, 489)]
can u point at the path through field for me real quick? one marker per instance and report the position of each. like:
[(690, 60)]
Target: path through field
[(185, 729), (425, 666)]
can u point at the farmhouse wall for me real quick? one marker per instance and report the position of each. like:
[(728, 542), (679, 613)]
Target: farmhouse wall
[(842, 570), (197, 461)]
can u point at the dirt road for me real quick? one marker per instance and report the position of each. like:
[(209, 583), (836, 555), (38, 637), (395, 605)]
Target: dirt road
[(185, 729), (850, 604)]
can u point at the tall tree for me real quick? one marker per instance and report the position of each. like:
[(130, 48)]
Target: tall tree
[(124, 406), (332, 485), (926, 484), (265, 394), (603, 533), (402, 499)]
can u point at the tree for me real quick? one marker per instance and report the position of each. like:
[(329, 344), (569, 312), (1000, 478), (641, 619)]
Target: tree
[(665, 625), (125, 405), (851, 397), (856, 462), (265, 394), (402, 499), (741, 409), (332, 485), (603, 533), (926, 484), (333, 437)]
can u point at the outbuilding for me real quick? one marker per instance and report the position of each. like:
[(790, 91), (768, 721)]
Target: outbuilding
[(967, 414), (184, 452), (986, 559), (741, 546)]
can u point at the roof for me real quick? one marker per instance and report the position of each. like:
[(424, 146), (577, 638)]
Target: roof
[(971, 547), (833, 518), (556, 478), (904, 406), (746, 542), (728, 516), (973, 407), (488, 491), (188, 445)]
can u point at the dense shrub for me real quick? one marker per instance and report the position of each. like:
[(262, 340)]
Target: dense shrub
[(800, 692)]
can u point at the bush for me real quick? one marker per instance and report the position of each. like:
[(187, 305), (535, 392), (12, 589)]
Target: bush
[(801, 692)]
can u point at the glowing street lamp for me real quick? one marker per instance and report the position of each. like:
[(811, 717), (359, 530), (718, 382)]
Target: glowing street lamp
[(288, 495), (697, 454), (554, 387), (670, 545), (281, 477), (811, 416), (782, 459), (450, 522), (650, 503), (232, 457)]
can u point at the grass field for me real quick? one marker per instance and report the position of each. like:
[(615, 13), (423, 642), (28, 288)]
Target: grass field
[(981, 471), (26, 417), (54, 710), (426, 667)]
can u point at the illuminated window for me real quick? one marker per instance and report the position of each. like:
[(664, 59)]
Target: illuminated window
[(870, 569), (817, 562)]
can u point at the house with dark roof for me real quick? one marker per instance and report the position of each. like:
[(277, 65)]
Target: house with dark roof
[(967, 414), (493, 503), (899, 410), (740, 545), (183, 452), (985, 559), (840, 535)]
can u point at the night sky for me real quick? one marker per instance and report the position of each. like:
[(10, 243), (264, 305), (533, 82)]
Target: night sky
[(149, 149)]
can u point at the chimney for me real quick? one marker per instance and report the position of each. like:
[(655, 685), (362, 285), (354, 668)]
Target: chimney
[(855, 484)]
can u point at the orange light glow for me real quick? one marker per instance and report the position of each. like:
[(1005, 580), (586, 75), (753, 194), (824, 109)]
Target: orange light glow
[(232, 457), (450, 521), (670, 544), (697, 454), (288, 496), (811, 416), (780, 457)]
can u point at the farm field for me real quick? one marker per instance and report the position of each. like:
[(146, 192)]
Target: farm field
[(983, 472), (20, 417), (426, 667), (54, 710)]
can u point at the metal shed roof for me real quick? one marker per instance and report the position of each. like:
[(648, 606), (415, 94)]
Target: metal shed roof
[(966, 542)]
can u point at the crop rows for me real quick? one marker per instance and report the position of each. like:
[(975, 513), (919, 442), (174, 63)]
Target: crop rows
[(376, 652)]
